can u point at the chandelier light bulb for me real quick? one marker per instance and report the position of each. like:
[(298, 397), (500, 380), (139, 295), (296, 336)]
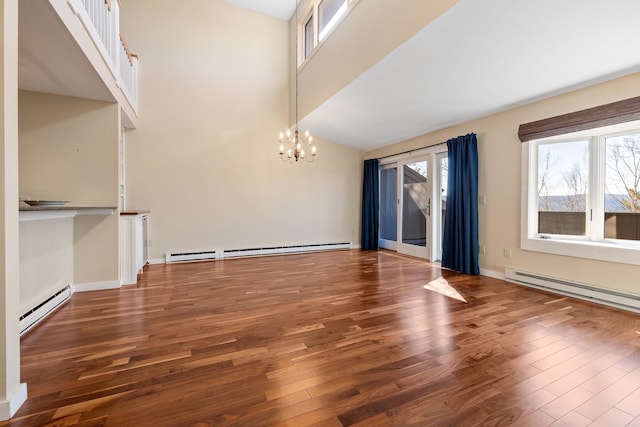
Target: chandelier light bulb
[(281, 148), (298, 146), (306, 133), (288, 133), (313, 150), (281, 136)]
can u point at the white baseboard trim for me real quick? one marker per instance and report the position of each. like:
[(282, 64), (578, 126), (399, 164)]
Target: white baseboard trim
[(157, 261), (356, 246), (492, 274), (9, 407), (95, 286)]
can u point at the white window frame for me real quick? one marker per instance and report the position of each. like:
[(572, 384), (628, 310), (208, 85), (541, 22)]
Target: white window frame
[(432, 155), (312, 10), (302, 34), (323, 33), (593, 245)]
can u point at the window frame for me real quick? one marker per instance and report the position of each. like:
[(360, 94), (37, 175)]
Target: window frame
[(309, 16), (323, 32), (312, 12), (593, 245)]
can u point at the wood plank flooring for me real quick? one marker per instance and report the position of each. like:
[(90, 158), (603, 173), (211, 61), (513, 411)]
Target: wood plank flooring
[(345, 338)]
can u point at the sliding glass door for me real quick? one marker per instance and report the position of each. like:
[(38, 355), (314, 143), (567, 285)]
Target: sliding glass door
[(416, 209), (411, 205), (388, 232)]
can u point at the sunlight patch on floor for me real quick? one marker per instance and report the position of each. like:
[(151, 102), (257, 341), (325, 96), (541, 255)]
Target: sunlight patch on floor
[(441, 286)]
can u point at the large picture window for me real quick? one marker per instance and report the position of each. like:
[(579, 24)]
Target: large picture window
[(582, 195), (562, 187), (622, 187)]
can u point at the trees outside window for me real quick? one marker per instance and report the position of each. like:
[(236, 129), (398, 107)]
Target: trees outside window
[(589, 187)]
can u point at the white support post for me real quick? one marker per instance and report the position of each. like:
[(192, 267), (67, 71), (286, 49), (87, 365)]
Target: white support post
[(12, 392)]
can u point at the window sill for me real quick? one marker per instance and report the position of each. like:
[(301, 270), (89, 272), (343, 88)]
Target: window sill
[(601, 251)]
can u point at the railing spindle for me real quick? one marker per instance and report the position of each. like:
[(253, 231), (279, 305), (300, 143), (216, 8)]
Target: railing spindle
[(102, 20)]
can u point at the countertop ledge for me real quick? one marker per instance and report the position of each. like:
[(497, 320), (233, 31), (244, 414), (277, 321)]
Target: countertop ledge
[(65, 208), (39, 213)]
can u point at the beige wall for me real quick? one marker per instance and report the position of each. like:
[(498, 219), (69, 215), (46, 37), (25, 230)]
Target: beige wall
[(499, 179), (46, 259), (69, 151), (359, 42), (203, 159)]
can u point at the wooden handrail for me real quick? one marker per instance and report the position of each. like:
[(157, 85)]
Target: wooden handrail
[(126, 49), (108, 3)]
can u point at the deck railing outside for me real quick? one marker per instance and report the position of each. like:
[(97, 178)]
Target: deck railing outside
[(617, 225), (101, 19)]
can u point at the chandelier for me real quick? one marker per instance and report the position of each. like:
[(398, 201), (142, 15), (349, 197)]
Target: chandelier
[(295, 147)]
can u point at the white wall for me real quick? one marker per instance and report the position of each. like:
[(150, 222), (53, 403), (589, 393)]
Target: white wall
[(203, 159), (499, 151)]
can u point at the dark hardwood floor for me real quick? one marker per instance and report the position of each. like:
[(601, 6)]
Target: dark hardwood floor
[(344, 338)]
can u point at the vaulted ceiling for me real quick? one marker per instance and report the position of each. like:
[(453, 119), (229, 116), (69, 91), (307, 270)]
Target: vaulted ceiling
[(476, 59)]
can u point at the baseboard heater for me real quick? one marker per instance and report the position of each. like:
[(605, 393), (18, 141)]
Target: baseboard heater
[(608, 297), (38, 313), (191, 256), (252, 252)]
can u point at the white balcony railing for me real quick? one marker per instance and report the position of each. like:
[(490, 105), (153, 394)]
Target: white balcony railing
[(104, 15), (129, 71), (101, 19)]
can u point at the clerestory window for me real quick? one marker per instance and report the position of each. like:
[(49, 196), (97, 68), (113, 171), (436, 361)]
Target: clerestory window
[(318, 21)]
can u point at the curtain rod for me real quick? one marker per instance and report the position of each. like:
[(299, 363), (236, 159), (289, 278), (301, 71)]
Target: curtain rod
[(411, 151)]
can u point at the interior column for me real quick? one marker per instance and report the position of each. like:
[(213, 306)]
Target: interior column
[(12, 392)]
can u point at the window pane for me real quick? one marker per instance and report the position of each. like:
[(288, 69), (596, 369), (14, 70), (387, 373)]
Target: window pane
[(622, 187), (330, 12), (562, 188), (308, 38), (389, 204), (415, 202)]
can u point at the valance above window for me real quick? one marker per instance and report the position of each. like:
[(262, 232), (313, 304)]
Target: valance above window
[(615, 113)]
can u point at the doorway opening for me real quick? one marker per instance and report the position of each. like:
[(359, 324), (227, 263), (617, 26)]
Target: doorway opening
[(413, 191)]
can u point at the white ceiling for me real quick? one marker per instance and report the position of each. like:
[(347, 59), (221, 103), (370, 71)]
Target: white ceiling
[(479, 58), (281, 9), (49, 59)]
